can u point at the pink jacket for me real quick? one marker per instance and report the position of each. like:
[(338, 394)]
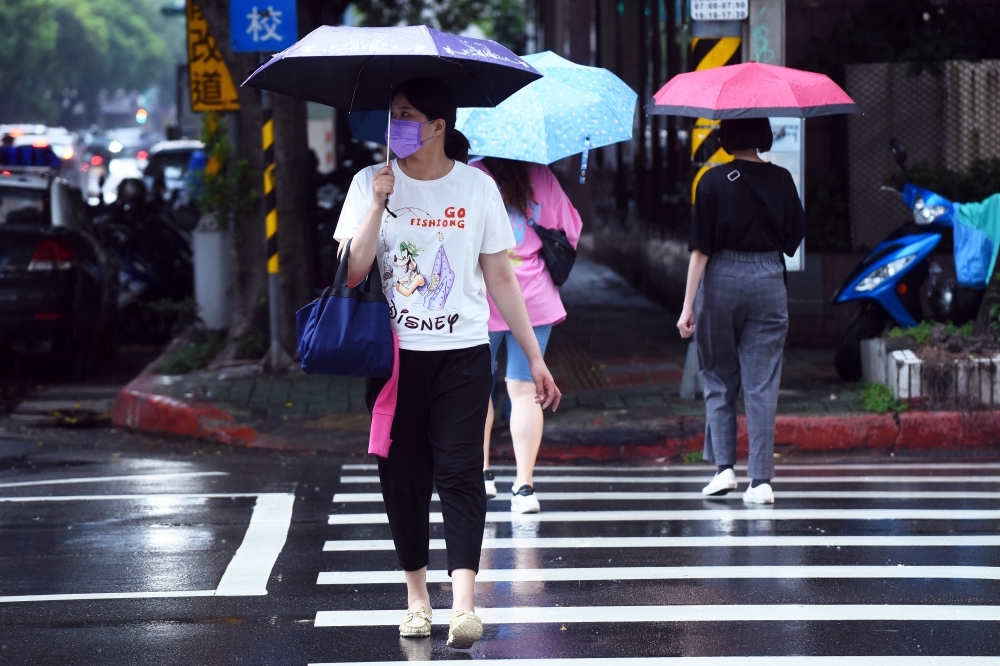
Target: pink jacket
[(380, 438)]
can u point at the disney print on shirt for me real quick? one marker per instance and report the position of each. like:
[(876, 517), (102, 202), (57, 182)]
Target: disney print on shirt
[(421, 294)]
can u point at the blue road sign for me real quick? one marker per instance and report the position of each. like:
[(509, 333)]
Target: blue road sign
[(262, 25)]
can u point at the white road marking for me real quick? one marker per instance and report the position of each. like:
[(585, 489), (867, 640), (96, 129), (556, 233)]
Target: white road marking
[(667, 573), (696, 515), (701, 481), (250, 568), (701, 469), (248, 571), (681, 613), (104, 479), (97, 596), (127, 498), (696, 495), (719, 661), (346, 545)]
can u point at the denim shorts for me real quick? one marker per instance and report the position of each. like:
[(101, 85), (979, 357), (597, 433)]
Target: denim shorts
[(517, 362)]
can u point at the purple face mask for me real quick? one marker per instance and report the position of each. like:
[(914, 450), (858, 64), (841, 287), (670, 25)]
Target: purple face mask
[(403, 136)]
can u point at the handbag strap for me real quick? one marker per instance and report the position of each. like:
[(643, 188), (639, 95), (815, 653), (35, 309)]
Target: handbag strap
[(340, 279)]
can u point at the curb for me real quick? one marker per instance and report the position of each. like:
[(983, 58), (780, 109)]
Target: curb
[(138, 407)]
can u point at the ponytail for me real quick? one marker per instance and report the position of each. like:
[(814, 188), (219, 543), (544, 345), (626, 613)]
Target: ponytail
[(456, 146)]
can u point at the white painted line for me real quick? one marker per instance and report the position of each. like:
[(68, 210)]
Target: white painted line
[(248, 571), (250, 568), (97, 596), (681, 613), (719, 661), (531, 543), (701, 469), (127, 498), (696, 515), (104, 479), (701, 480), (667, 573), (347, 498)]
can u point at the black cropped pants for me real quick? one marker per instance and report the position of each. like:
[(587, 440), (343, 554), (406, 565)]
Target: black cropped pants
[(437, 442)]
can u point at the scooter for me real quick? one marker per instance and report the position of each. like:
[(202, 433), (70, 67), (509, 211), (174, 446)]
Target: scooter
[(887, 283)]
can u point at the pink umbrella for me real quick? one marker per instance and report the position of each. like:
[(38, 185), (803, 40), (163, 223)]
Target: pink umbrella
[(751, 90)]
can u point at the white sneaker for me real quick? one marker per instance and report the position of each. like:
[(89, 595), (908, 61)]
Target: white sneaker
[(491, 485), (524, 500), (721, 483), (762, 494)]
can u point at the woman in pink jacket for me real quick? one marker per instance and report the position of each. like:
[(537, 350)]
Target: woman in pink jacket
[(532, 195)]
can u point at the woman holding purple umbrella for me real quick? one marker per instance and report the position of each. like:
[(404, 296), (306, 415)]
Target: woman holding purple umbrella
[(440, 232)]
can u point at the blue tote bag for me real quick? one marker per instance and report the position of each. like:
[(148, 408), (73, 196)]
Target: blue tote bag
[(346, 331)]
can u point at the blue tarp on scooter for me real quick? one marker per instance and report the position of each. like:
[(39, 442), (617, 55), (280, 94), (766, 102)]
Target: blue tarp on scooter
[(977, 239)]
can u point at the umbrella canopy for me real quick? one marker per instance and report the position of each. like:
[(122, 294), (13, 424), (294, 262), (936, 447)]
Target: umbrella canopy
[(751, 90), (571, 109), (355, 69)]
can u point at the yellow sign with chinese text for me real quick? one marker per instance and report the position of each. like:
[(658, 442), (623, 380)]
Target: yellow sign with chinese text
[(211, 85)]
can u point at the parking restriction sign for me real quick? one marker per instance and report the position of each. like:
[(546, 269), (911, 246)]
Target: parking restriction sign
[(719, 10)]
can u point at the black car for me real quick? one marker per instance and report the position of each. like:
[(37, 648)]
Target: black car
[(58, 284)]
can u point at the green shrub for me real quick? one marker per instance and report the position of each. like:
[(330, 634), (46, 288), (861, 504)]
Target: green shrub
[(922, 331), (692, 457), (196, 354), (878, 399)]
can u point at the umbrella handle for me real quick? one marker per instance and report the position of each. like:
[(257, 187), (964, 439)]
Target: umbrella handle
[(583, 160)]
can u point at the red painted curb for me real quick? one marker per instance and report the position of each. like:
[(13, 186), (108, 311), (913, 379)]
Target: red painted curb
[(139, 407)]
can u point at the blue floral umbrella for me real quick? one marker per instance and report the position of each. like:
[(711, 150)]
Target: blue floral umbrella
[(570, 110)]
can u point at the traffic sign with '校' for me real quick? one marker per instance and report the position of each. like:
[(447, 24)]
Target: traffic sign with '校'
[(262, 25)]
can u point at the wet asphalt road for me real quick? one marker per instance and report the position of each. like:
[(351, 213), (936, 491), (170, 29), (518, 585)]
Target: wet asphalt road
[(623, 566)]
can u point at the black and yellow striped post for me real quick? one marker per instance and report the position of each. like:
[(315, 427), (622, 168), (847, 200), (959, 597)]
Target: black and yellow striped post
[(277, 359), (706, 148)]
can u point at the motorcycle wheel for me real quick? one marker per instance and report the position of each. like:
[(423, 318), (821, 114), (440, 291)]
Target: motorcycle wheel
[(869, 322)]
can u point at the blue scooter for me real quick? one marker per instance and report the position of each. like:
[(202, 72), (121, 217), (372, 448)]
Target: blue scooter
[(887, 283)]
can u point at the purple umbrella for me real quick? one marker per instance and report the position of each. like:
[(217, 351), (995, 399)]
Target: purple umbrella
[(355, 69)]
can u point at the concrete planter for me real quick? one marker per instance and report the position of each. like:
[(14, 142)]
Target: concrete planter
[(213, 275), (893, 362)]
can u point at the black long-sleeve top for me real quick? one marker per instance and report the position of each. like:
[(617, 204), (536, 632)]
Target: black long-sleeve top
[(725, 216)]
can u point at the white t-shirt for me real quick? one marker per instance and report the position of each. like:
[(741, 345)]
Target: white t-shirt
[(429, 253)]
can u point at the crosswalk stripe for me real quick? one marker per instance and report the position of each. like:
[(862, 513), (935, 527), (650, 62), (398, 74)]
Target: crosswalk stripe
[(701, 480), (701, 469), (667, 573), (696, 515), (682, 613), (824, 541), (347, 498), (850, 660)]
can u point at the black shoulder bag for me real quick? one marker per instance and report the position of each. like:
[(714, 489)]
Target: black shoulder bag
[(558, 253), (757, 205)]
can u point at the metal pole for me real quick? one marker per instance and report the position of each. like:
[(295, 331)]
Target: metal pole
[(276, 354)]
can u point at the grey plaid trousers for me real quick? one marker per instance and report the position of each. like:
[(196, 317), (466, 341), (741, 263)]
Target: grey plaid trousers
[(741, 319)]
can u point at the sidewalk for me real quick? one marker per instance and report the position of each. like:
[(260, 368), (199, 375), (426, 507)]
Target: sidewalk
[(618, 360)]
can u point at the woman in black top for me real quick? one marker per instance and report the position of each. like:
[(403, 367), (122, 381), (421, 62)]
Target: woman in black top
[(746, 214)]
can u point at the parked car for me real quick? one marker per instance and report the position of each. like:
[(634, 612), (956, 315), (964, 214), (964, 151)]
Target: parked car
[(167, 169), (58, 283)]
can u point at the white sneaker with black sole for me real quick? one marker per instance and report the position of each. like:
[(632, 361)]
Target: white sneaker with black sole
[(721, 483), (762, 494), (524, 500), (490, 482)]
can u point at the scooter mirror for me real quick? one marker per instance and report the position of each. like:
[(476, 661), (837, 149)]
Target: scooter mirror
[(898, 151)]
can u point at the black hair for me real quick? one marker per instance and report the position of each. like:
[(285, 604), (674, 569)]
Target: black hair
[(514, 182), (745, 134), (433, 98)]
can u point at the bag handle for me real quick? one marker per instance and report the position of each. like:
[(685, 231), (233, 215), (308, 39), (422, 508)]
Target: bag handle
[(340, 279)]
